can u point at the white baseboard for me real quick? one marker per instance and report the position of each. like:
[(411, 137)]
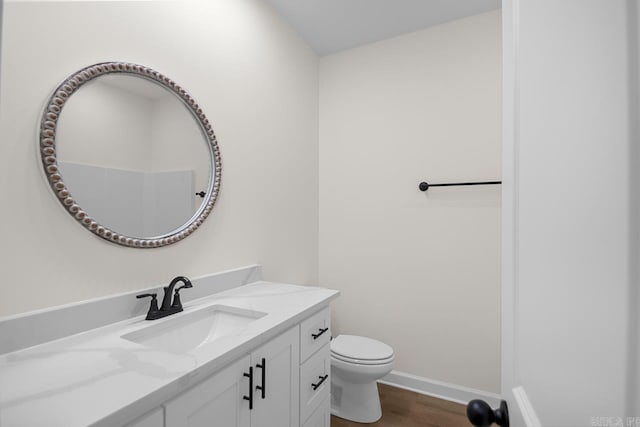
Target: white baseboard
[(526, 408), (439, 389)]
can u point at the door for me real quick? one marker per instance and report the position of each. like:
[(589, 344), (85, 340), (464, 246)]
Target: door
[(218, 401), (570, 212), (276, 377)]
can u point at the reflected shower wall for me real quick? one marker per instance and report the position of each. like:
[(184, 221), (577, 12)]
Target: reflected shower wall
[(134, 203)]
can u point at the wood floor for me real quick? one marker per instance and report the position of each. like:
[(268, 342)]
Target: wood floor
[(402, 408)]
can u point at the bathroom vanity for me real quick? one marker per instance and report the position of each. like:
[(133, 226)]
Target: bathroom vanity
[(253, 354)]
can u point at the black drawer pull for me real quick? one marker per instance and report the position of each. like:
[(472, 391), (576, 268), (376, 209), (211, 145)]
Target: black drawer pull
[(320, 332), (250, 397), (262, 387), (322, 379)]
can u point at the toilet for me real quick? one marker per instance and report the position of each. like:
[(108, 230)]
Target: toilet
[(356, 364)]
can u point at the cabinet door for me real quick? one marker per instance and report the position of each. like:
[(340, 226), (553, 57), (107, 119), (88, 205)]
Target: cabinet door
[(315, 381), (218, 401), (279, 361), (321, 417)]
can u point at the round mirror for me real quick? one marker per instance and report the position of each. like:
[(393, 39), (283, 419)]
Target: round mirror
[(130, 154)]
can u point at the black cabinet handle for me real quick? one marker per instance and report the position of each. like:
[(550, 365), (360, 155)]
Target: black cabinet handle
[(262, 387), (319, 383), (250, 397), (320, 332)]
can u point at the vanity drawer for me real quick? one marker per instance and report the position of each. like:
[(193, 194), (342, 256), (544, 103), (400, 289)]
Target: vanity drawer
[(315, 332), (315, 381), (321, 416)]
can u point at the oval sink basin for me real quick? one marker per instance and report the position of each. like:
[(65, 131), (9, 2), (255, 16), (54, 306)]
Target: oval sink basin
[(188, 331)]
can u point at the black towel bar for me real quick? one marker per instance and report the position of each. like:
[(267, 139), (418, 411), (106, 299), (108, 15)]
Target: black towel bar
[(424, 186)]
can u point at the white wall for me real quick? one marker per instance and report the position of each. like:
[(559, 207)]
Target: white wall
[(256, 81), (108, 126), (420, 271), (571, 254), (174, 126)]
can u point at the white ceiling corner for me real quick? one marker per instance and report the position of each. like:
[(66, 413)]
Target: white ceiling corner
[(329, 26)]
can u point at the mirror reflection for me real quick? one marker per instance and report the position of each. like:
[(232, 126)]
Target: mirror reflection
[(132, 155)]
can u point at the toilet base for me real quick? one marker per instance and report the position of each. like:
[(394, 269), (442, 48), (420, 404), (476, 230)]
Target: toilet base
[(355, 402)]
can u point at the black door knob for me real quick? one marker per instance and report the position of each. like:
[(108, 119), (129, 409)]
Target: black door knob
[(480, 414)]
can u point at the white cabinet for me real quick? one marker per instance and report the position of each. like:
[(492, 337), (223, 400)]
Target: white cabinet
[(276, 392), (321, 417), (315, 333), (315, 368), (217, 401), (283, 383), (315, 381), (260, 390)]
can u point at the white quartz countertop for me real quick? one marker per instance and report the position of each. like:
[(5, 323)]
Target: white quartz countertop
[(99, 378)]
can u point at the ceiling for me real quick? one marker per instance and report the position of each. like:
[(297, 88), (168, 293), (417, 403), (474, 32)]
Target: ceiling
[(329, 26)]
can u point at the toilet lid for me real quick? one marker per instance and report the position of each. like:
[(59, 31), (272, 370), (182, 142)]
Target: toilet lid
[(377, 362), (360, 348)]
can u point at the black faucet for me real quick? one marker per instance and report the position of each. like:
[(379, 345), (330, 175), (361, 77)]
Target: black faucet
[(168, 307)]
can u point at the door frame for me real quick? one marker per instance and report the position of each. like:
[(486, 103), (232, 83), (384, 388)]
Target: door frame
[(521, 411)]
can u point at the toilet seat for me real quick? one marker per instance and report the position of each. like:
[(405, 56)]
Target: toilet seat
[(361, 350), (362, 361)]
